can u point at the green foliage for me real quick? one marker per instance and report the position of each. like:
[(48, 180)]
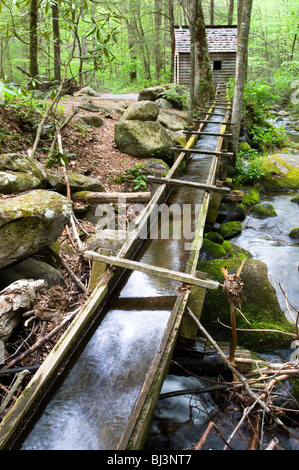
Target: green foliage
[(249, 168), (137, 176), (286, 79)]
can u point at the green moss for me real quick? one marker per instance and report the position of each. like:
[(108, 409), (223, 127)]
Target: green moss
[(295, 199), (214, 237), (279, 175), (251, 196), (230, 229), (294, 233), (259, 306), (262, 211), (244, 147)]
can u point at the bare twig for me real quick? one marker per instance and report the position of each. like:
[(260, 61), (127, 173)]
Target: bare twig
[(236, 373)]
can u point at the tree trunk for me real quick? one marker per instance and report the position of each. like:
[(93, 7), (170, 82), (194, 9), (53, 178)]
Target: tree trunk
[(204, 89), (33, 38), (241, 73), (56, 37), (211, 12), (158, 45), (172, 38), (230, 13)]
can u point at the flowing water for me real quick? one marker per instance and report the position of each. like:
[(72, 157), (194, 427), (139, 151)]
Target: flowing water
[(91, 407), (268, 240)]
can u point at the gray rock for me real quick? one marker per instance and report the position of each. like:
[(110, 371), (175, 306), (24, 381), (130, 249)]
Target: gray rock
[(111, 240), (31, 269), (15, 182), (29, 222), (88, 105), (143, 139), (152, 93), (141, 111), (23, 164), (92, 120), (164, 104), (88, 91), (170, 122), (77, 182)]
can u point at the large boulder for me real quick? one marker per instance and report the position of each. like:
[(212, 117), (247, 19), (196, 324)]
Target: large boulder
[(260, 306), (29, 222), (141, 111), (143, 139)]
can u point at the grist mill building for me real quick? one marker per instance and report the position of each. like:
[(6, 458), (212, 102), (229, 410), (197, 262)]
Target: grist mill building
[(222, 43)]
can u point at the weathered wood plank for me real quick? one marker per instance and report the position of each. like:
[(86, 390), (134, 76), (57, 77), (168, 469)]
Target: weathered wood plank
[(204, 152), (99, 197), (216, 134), (192, 184), (154, 270)]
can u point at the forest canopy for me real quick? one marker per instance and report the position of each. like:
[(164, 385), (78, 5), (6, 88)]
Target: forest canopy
[(126, 45)]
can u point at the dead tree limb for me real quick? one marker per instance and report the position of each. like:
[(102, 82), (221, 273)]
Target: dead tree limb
[(232, 288), (67, 268)]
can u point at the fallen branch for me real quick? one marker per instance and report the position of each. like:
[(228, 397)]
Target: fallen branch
[(67, 268), (60, 129)]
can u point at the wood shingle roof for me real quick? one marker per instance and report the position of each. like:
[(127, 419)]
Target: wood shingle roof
[(220, 38)]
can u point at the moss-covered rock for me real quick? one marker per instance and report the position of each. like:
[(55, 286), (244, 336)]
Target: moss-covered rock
[(235, 211), (244, 147), (294, 233), (251, 196), (20, 163), (230, 229), (295, 199), (214, 250), (156, 167), (262, 211), (143, 139), (214, 237), (29, 222), (76, 181), (15, 182), (141, 111), (260, 306), (281, 172)]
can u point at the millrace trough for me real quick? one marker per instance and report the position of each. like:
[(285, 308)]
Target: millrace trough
[(98, 388)]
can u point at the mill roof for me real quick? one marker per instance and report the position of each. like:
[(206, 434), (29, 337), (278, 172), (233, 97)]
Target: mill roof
[(220, 38)]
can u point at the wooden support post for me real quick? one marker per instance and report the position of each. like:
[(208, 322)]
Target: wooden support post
[(98, 269), (195, 302), (215, 202), (153, 270)]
